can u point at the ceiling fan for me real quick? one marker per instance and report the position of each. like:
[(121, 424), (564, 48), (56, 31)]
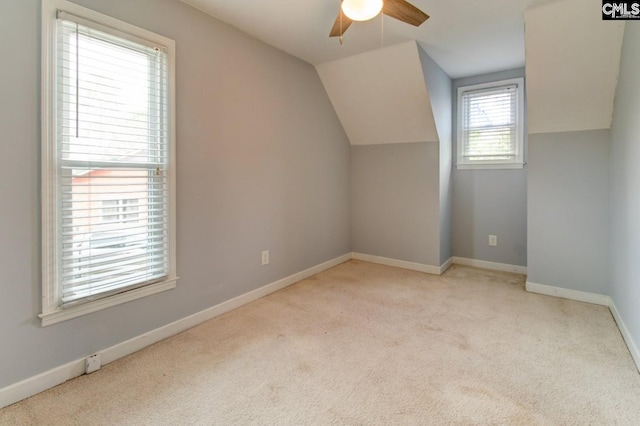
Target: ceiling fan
[(363, 10)]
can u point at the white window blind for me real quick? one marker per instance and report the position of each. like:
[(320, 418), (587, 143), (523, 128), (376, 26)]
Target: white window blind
[(112, 147), (490, 125)]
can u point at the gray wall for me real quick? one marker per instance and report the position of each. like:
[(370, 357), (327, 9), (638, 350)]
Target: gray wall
[(489, 201), (625, 187), (569, 210), (439, 86), (401, 193), (263, 163), (394, 203)]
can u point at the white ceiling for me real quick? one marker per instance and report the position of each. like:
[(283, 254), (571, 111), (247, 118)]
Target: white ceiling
[(465, 37), (584, 53), (381, 96)]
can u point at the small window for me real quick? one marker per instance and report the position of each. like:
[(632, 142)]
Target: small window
[(490, 125), (108, 162)]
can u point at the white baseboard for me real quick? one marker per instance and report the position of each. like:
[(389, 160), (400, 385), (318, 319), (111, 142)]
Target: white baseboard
[(446, 265), (504, 267), (565, 293), (420, 267), (631, 344), (48, 379), (41, 382), (597, 299)]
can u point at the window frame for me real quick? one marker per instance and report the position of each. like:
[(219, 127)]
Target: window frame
[(52, 312), (518, 162)]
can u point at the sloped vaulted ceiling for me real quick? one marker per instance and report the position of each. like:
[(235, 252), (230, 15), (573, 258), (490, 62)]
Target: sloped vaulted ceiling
[(381, 96), (572, 64)]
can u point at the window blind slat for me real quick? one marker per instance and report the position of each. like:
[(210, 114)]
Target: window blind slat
[(113, 286), (74, 259), (112, 145), (105, 278), (129, 263), (489, 124)]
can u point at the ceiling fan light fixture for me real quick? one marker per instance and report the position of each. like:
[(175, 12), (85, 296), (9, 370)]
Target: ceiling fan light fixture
[(361, 10)]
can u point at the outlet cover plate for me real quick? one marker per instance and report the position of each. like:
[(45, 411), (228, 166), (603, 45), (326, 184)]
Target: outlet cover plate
[(92, 364)]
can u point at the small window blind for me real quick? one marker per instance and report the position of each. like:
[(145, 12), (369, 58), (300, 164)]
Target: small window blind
[(111, 133), (490, 125)]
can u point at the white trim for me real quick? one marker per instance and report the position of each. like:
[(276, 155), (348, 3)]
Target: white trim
[(518, 161), (41, 382), (82, 12), (48, 179), (36, 384), (484, 264), (60, 314), (446, 265), (628, 339), (139, 342), (565, 293), (420, 267), (596, 299), (51, 312)]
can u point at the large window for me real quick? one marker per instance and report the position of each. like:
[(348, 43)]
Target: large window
[(108, 156), (490, 125)]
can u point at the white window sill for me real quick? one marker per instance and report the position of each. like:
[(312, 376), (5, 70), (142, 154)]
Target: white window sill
[(60, 314), (490, 166)]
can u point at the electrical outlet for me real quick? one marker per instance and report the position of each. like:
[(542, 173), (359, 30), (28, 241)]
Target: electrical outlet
[(493, 240), (265, 257), (92, 364)]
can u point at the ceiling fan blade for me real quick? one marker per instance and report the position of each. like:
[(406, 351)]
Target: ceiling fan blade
[(404, 11), (335, 31)]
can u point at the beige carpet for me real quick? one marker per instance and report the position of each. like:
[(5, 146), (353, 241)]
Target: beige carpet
[(369, 344)]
